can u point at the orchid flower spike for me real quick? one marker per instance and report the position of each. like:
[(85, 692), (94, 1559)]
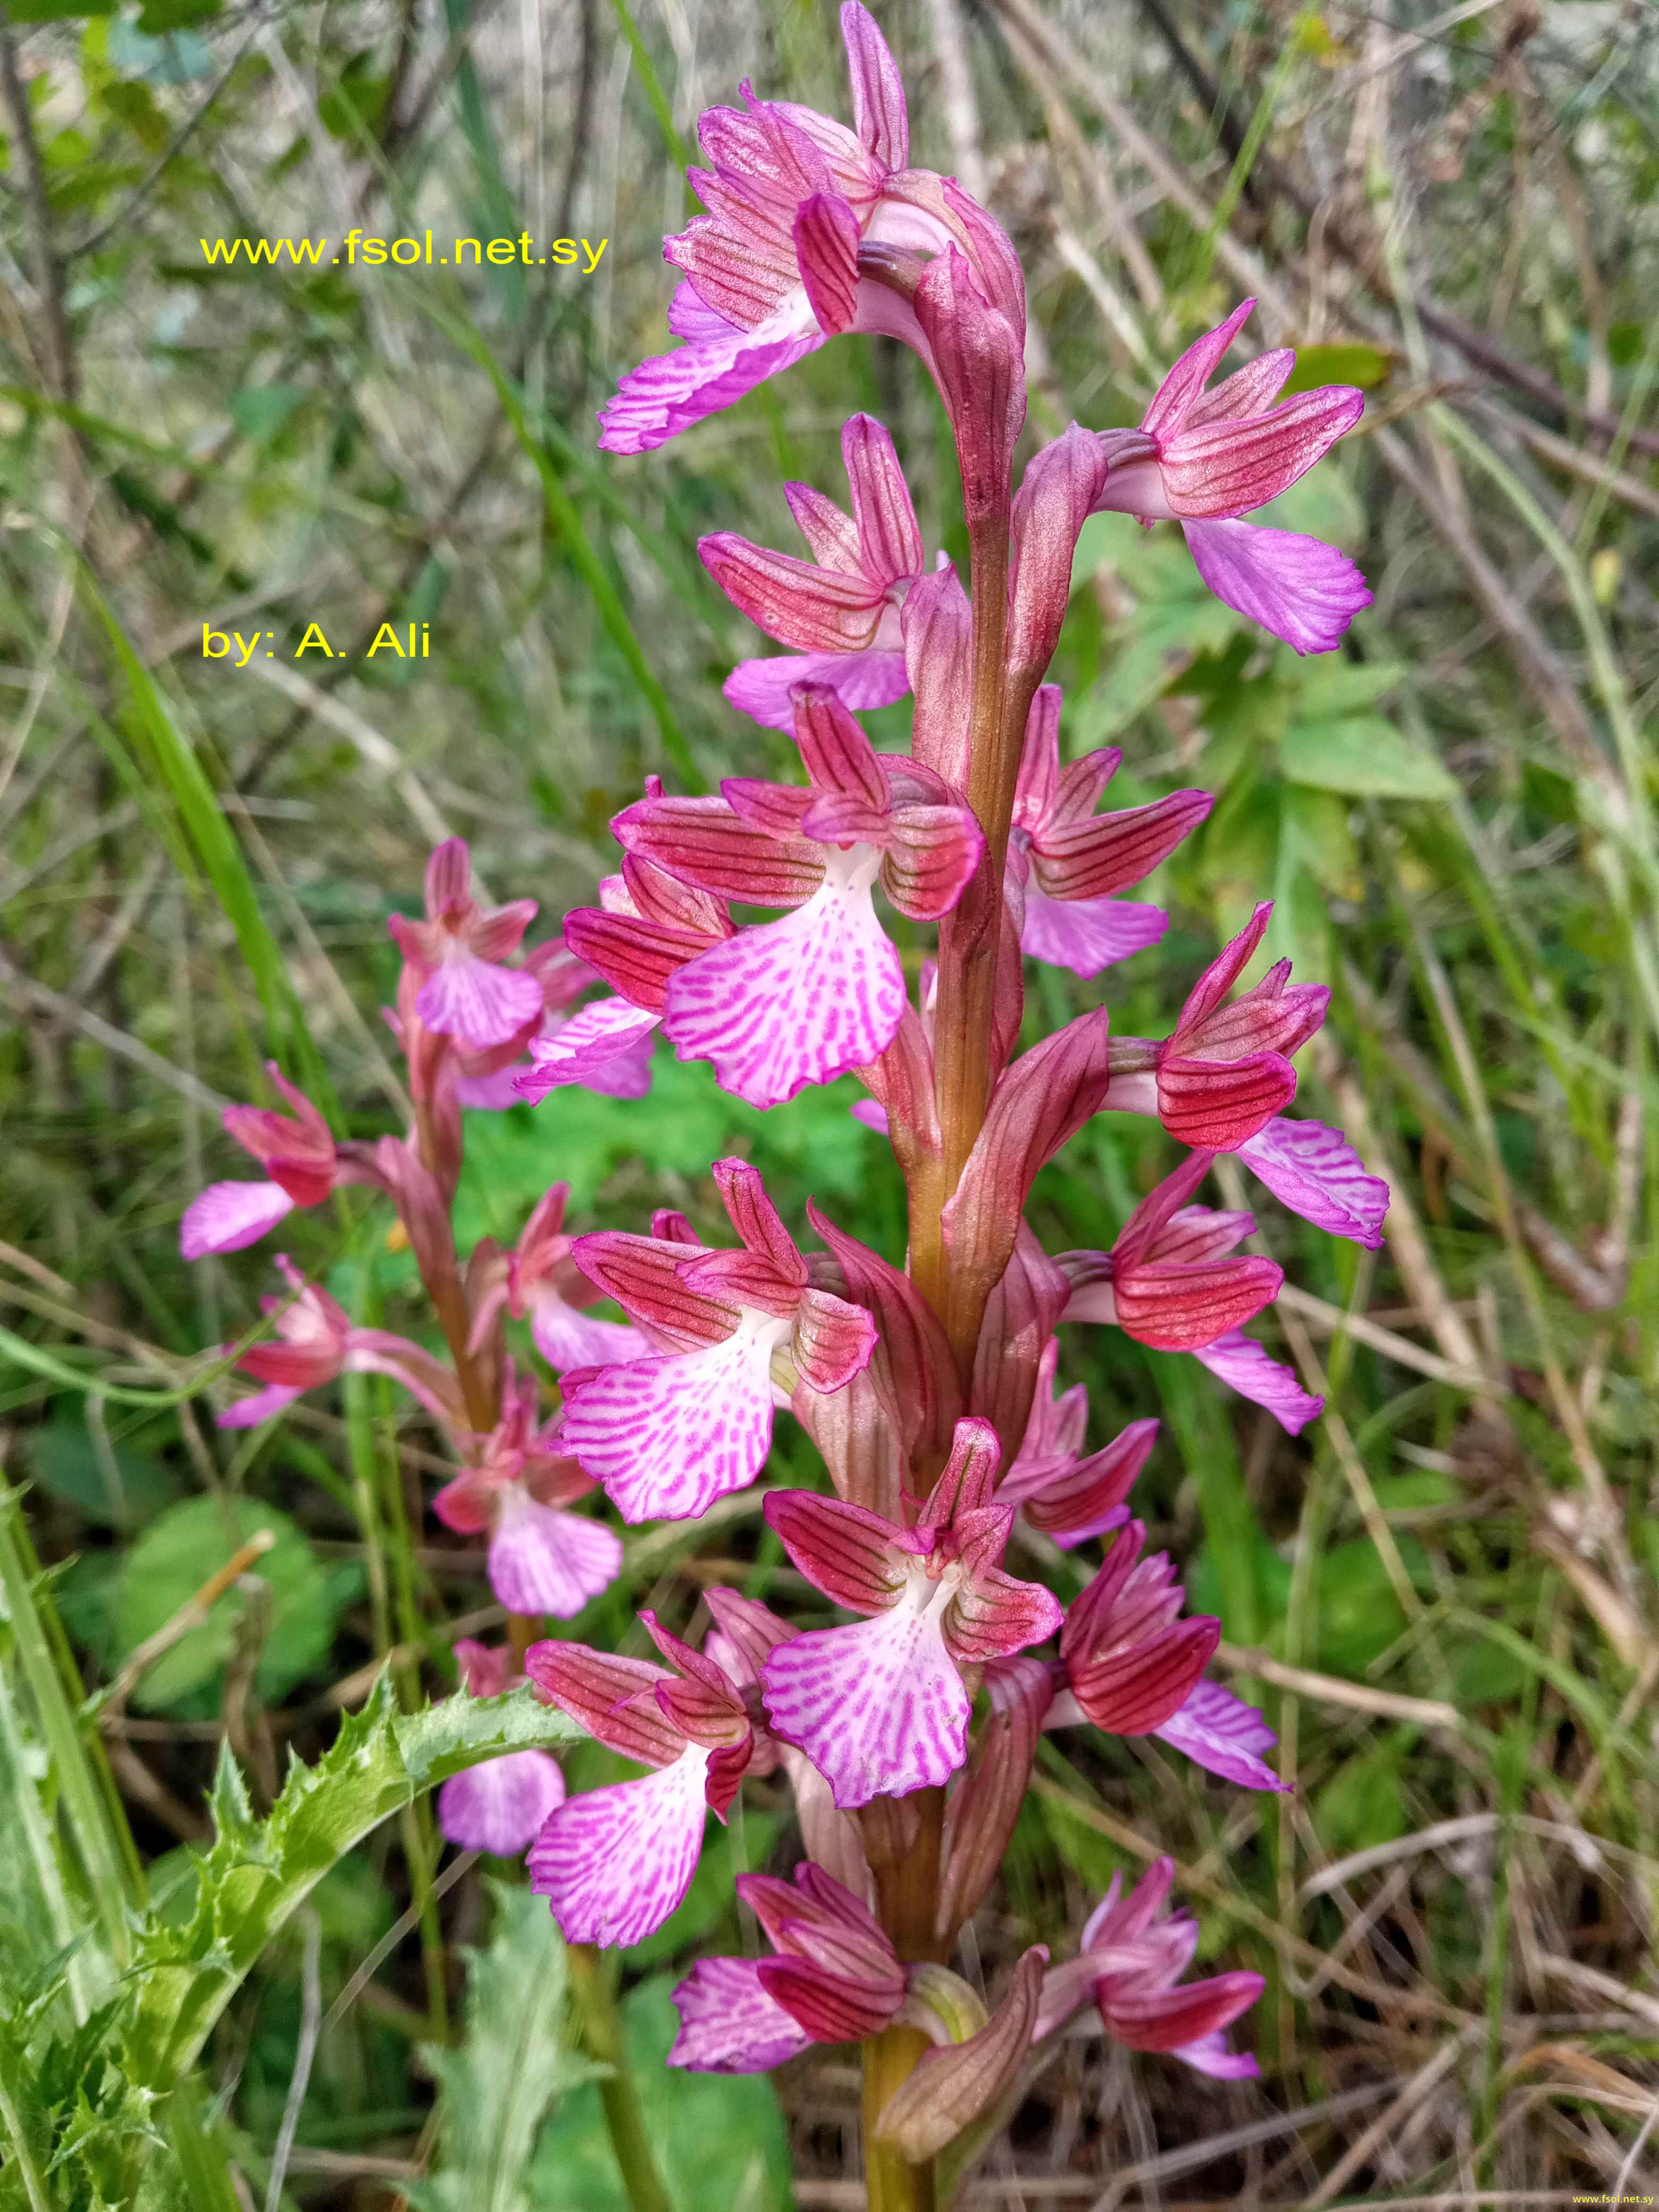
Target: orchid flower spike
[(542, 1559), (499, 1805), (838, 612), (812, 230), (1225, 1072), (881, 1707), (1203, 458), (1127, 1967), (1066, 862), (316, 1342), (458, 950), (803, 999), (668, 1434), (539, 1279), (614, 1862), (304, 1166)]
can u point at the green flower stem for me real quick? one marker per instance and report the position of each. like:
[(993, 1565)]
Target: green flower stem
[(891, 2184), (602, 2038)]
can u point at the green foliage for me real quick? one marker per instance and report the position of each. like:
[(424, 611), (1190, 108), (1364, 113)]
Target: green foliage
[(719, 2138), (108, 1484), (177, 1553), (516, 2060)]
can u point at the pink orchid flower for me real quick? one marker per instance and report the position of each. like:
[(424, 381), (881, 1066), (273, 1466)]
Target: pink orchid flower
[(540, 1278), (1203, 458), (647, 926), (457, 951), (499, 1805), (1127, 1967), (1060, 1490), (317, 1342), (804, 216), (1129, 1661), (668, 1434), (1225, 1072), (881, 1707), (540, 1558), (838, 612), (836, 1978), (614, 1862), (300, 1152), (1173, 1281), (802, 1000), (1066, 862)]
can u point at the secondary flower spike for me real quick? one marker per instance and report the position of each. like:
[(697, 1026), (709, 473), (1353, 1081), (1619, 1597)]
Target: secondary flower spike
[(316, 1342), (669, 1434), (542, 1559), (805, 218), (801, 1000), (881, 1707), (1066, 862), (1203, 458), (458, 951), (839, 613), (499, 1805), (614, 1862), (1128, 1966)]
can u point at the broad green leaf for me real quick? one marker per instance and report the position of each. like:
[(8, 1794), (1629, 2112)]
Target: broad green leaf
[(175, 1556), (1364, 365), (1365, 757), (495, 2090), (260, 411), (1363, 1803), (120, 1489), (719, 2138), (1325, 687)]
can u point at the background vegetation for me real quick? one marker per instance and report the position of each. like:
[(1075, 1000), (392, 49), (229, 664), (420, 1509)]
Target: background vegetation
[(1446, 1593)]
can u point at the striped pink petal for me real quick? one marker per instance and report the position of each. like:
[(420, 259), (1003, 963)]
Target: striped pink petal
[(614, 1863), (1222, 1733), (1299, 588), (499, 1805), (874, 677), (728, 2024), (599, 1043), (228, 1217), (476, 1001), (878, 1706), (668, 1436), (1240, 1362), (565, 1337), (795, 1001), (542, 1560), (1086, 935), (1315, 1171), (663, 397)]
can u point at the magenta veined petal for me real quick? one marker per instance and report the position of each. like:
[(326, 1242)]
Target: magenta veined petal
[(761, 688), (499, 1805), (795, 1001), (667, 1436), (663, 397), (1086, 935), (228, 1217), (477, 1002), (1221, 1733), (614, 1863), (1239, 1361), (1315, 1172), (263, 1406), (1210, 2055), (878, 1706), (566, 1337), (1299, 588), (542, 1560), (728, 2023)]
